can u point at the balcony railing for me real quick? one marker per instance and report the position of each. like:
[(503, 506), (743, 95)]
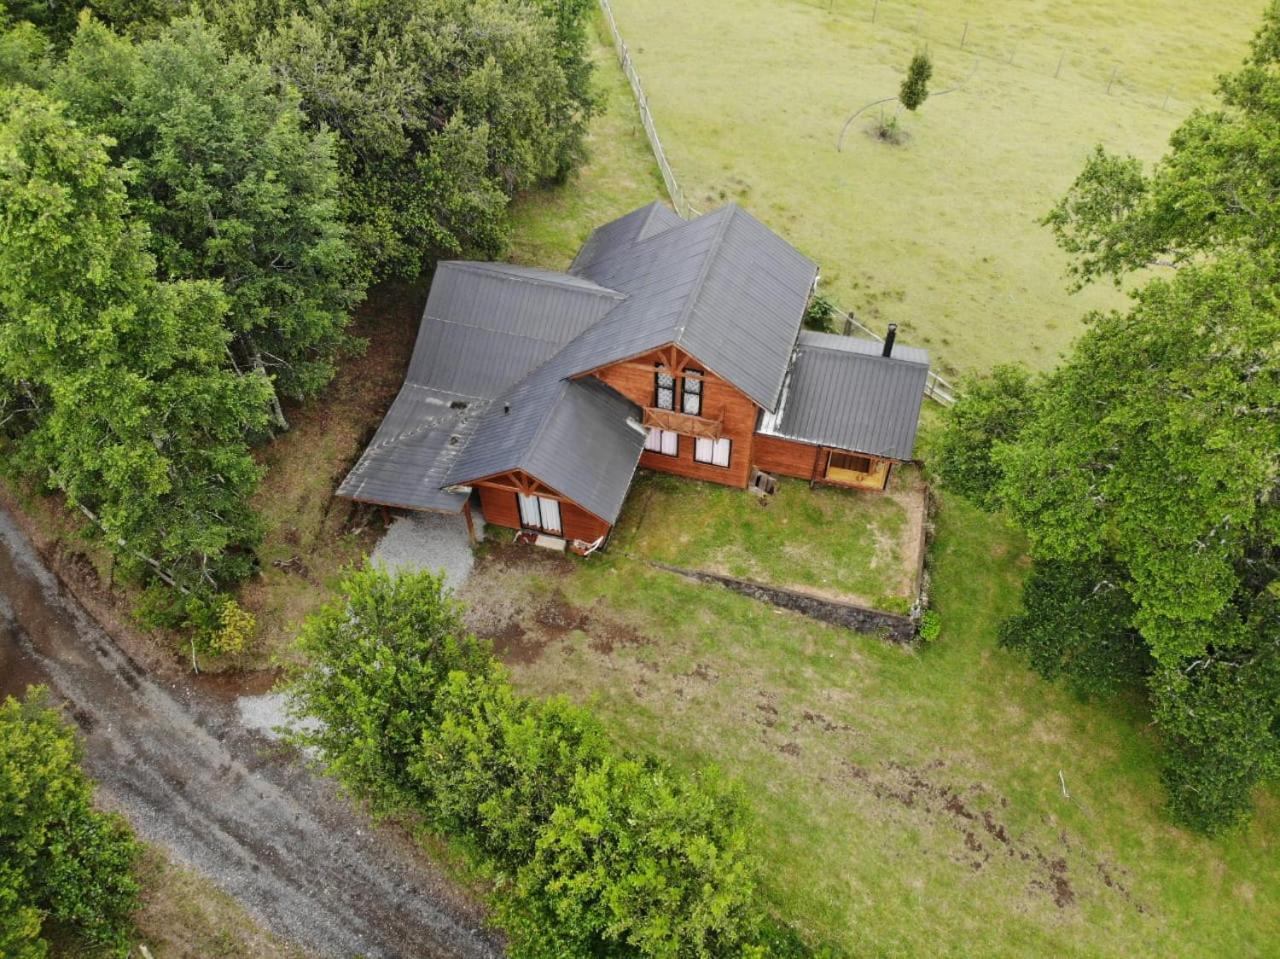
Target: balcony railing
[(683, 423)]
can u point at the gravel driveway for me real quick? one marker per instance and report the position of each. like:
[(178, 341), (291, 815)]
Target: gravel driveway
[(190, 776), (430, 541)]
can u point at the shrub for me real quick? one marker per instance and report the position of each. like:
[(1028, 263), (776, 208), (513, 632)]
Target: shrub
[(817, 315), (595, 851), (59, 857), (930, 626)]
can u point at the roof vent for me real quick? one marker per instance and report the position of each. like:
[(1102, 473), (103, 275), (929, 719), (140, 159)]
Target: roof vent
[(506, 408), (889, 338), (458, 405)]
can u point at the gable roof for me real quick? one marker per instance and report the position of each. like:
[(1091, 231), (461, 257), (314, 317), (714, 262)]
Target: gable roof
[(618, 235), (842, 392), (723, 287), (485, 326)]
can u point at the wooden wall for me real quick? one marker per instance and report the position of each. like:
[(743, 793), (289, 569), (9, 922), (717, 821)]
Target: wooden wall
[(634, 379), (498, 503), (808, 462)]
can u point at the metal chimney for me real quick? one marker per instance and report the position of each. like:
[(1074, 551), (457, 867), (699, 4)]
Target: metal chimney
[(889, 338)]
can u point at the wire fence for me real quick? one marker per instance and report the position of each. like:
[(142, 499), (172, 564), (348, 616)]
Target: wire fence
[(1022, 48), (936, 388)]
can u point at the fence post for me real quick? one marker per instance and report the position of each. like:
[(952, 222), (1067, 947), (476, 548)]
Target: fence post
[(964, 34), (875, 10), (1061, 56), (1114, 71)]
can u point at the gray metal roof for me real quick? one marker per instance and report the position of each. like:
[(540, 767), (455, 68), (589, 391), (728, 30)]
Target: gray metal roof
[(841, 392), (621, 233), (723, 287), (573, 435), (485, 326)]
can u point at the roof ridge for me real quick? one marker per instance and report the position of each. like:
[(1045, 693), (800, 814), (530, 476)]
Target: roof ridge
[(572, 281), (682, 322)]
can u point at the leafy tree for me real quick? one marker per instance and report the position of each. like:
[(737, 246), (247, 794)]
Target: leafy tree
[(126, 401), (1217, 189), (232, 185), (595, 852), (993, 410), (444, 109), (915, 86), (1145, 470), (59, 857)]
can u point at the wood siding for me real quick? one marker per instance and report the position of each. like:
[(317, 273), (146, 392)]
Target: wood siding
[(721, 401), (499, 505), (808, 462)]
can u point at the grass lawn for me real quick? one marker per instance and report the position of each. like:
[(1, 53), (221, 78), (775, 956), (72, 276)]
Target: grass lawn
[(840, 544), (940, 234), (908, 802)]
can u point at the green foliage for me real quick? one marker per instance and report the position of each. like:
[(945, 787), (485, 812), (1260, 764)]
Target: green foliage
[(232, 185), (444, 109), (127, 405), (930, 626), (1077, 623), (990, 411), (1217, 189), (59, 857), (817, 315), (221, 626), (596, 852), (915, 86)]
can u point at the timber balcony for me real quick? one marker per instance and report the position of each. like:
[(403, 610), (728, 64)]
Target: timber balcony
[(682, 423)]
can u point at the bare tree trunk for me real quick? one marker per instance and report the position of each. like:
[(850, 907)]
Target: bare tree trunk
[(277, 411)]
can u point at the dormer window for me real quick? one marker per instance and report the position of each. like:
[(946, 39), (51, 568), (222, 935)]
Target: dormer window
[(666, 389)]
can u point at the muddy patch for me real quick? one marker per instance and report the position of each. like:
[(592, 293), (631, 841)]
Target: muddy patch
[(982, 837), (513, 644)]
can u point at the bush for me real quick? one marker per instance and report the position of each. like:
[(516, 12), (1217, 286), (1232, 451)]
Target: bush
[(930, 626), (595, 851), (59, 857), (218, 625), (818, 314)]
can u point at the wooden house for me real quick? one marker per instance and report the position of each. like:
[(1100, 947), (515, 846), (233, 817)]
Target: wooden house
[(669, 344)]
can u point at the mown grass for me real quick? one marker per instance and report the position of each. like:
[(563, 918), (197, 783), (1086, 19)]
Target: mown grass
[(907, 803), (940, 234), (849, 545)]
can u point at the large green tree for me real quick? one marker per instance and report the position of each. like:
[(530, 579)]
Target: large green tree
[(60, 858), (232, 184), (1146, 469), (118, 385), (445, 109)]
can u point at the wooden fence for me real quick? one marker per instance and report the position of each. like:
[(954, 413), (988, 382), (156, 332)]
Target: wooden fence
[(936, 388)]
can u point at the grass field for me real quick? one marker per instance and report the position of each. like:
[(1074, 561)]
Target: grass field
[(940, 234), (847, 545), (907, 803)]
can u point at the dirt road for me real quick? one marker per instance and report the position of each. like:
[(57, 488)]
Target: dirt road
[(223, 799)]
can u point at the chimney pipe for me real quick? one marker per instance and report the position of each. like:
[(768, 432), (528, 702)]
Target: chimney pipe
[(889, 338), (506, 408)]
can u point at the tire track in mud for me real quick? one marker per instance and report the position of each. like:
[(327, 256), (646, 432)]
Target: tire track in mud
[(223, 799)]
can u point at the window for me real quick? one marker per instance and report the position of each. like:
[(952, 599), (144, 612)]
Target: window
[(715, 452), (692, 397), (539, 512), (666, 389), (850, 462), (662, 441)]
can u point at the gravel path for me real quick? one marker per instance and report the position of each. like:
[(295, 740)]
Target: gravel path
[(190, 776), (429, 541)]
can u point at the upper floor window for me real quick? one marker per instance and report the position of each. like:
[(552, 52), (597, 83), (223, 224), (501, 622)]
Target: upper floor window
[(666, 389), (692, 398)]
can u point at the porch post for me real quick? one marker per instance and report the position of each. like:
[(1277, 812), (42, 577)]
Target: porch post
[(471, 523)]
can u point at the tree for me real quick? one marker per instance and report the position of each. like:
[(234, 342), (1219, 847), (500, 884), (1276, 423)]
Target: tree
[(232, 185), (915, 87), (1145, 469), (59, 856), (1216, 190), (444, 108), (992, 410), (125, 399)]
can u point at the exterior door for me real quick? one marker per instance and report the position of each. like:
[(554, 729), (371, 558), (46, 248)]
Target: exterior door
[(540, 512)]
